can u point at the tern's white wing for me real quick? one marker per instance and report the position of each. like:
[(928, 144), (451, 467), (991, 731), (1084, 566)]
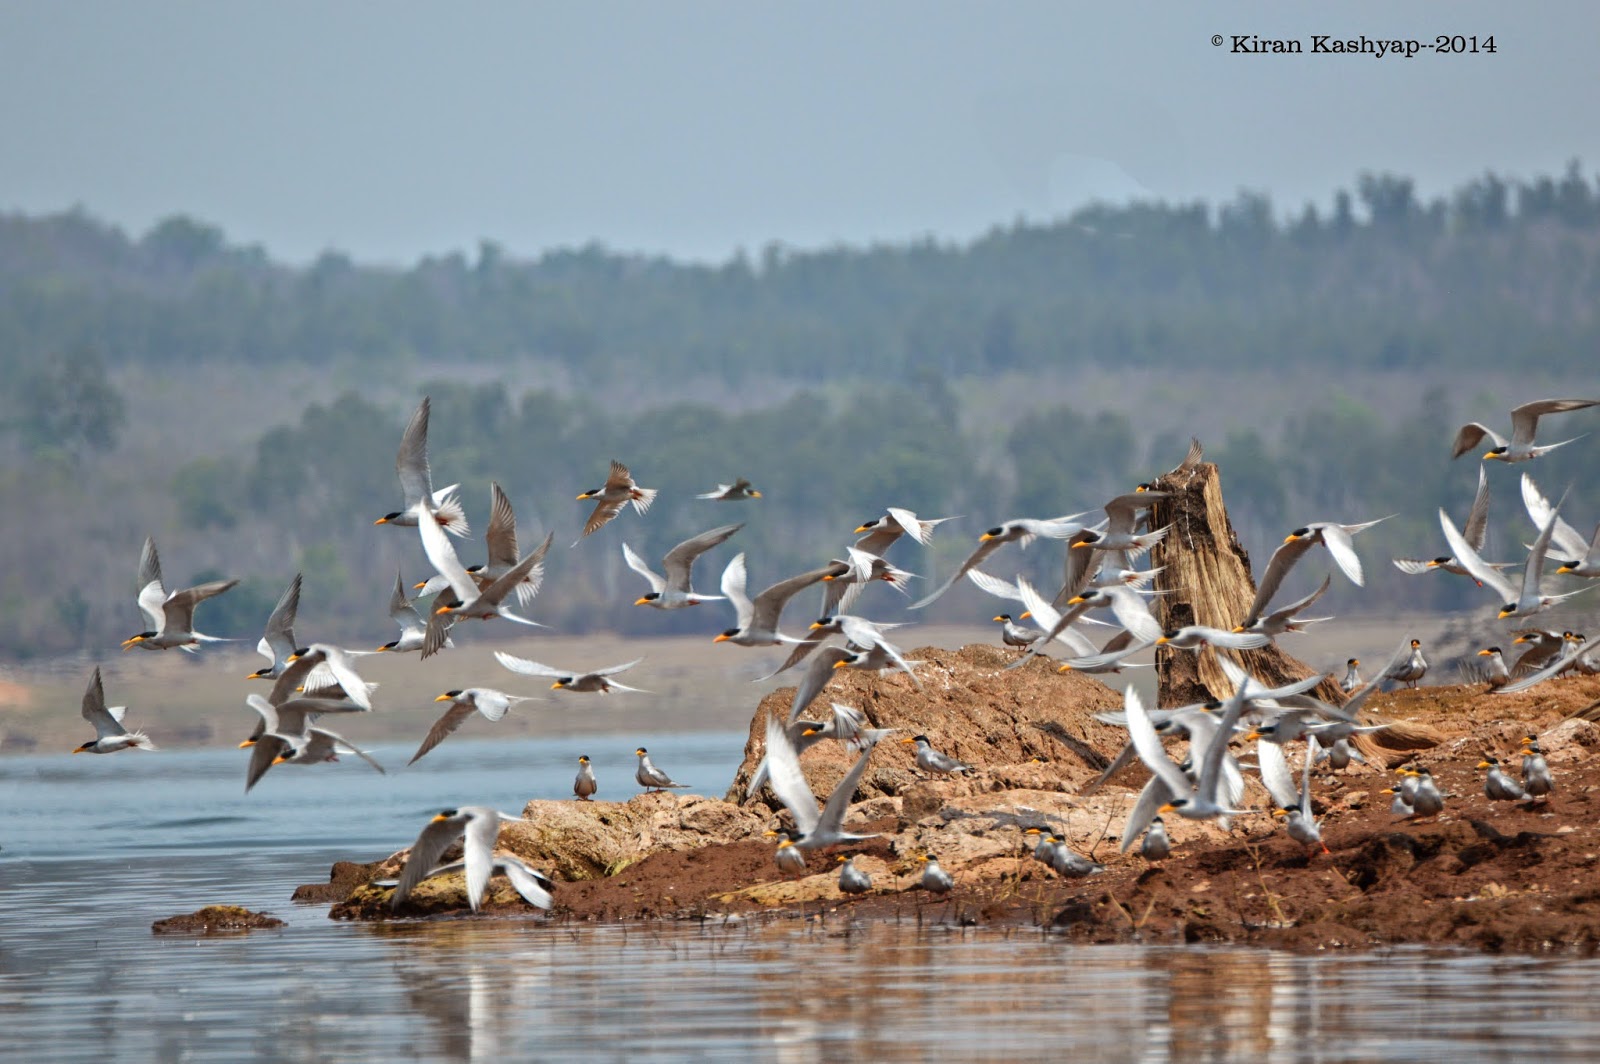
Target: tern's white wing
[(105, 721), (1533, 572), (1339, 544), (151, 599), (528, 883), (786, 779), (1276, 775), (478, 852), (613, 670), (435, 838), (1132, 613), (1147, 744), (528, 668), (442, 556), (831, 820), (733, 581), (1156, 794), (1540, 513), (1046, 617), (1481, 571), (338, 663), (637, 564), (994, 586)]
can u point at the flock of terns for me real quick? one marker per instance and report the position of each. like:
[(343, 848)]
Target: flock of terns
[(311, 682)]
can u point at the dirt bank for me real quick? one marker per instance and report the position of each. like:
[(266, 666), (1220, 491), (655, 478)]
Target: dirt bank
[(1490, 876)]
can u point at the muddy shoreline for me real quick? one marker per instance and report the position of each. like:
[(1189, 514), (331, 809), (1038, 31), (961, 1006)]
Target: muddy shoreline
[(1487, 876)]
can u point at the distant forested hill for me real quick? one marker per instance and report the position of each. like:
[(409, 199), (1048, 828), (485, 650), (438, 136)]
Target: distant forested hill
[(176, 385), (1383, 281)]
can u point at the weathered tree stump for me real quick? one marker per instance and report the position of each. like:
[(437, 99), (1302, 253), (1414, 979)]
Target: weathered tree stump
[(1207, 581)]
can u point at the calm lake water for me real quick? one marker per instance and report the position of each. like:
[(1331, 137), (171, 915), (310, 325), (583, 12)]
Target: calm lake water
[(96, 848)]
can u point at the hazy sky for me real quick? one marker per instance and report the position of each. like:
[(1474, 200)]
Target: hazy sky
[(392, 130)]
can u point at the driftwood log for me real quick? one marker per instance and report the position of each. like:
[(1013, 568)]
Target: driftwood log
[(1207, 580)]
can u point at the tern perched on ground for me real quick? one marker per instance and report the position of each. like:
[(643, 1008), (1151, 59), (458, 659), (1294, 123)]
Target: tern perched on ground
[(597, 681), (278, 642), (1289, 801), (1498, 786), (818, 828), (935, 880), (478, 827), (416, 482), (1524, 424), (739, 489), (109, 734), (650, 777), (584, 785), (673, 590), (1411, 670), (491, 703), (1157, 845), (1536, 778), (1573, 649), (852, 880), (618, 491), (171, 616), (932, 761)]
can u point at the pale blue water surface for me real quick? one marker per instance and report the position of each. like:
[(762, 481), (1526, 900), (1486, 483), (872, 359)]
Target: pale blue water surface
[(96, 848)]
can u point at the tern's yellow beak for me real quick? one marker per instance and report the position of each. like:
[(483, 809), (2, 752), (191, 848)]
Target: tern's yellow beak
[(444, 698)]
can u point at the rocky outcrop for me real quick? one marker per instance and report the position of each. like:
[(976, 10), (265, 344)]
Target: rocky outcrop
[(1031, 725), (569, 841)]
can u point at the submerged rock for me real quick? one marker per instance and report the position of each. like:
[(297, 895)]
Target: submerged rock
[(215, 920)]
